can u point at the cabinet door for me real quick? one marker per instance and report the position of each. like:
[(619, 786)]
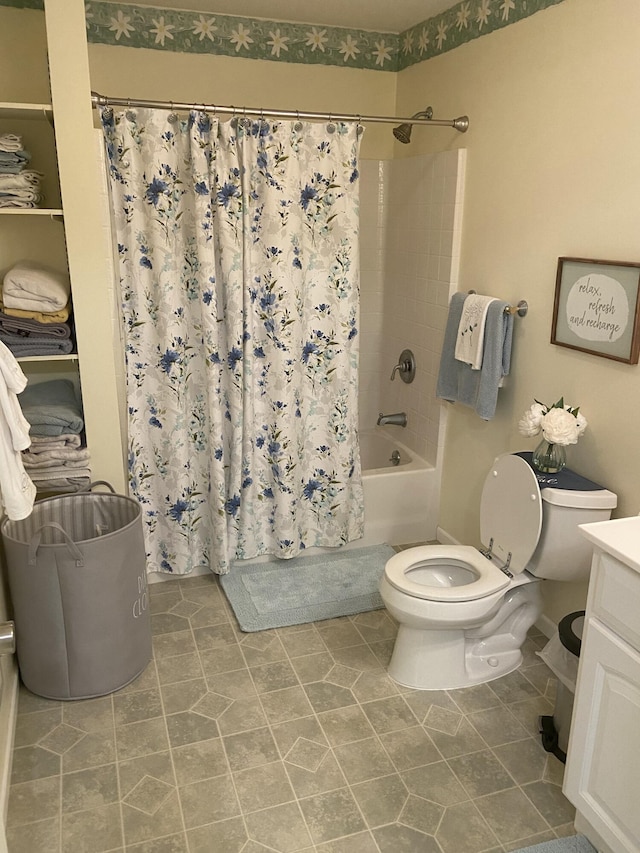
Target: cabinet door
[(602, 777)]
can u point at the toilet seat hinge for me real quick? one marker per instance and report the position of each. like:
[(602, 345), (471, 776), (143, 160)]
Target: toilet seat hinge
[(488, 553), (505, 568)]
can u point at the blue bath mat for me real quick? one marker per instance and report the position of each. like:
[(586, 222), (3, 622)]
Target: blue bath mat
[(572, 844), (306, 589)]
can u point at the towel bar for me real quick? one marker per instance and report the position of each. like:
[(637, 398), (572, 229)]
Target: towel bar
[(520, 309)]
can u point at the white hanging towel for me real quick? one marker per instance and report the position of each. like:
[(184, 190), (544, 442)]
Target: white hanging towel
[(470, 339), (17, 491)]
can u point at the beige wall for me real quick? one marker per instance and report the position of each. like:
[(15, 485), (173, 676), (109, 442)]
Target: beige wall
[(553, 169)]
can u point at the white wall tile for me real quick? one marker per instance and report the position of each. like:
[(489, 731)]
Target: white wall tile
[(410, 261)]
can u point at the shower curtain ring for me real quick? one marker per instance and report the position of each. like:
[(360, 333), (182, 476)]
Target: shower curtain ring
[(172, 118), (298, 125), (331, 128), (359, 127)]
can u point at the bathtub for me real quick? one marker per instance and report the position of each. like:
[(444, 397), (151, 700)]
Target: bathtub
[(400, 501)]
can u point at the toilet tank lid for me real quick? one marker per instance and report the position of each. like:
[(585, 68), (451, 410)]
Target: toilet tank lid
[(566, 488), (596, 499)]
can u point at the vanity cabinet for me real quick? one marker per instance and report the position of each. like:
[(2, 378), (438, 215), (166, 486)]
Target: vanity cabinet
[(602, 777)]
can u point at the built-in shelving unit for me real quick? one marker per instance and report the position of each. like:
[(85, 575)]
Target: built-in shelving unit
[(34, 122), (68, 231), (26, 111)]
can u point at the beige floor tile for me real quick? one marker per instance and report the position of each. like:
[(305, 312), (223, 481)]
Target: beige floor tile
[(325, 752), (332, 815), (281, 828), (209, 801), (263, 787), (93, 830), (365, 759), (382, 800)]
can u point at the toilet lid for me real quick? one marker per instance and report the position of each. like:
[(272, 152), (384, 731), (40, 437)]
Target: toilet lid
[(511, 512)]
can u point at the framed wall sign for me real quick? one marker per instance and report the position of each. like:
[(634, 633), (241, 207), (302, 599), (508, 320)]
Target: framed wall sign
[(597, 308)]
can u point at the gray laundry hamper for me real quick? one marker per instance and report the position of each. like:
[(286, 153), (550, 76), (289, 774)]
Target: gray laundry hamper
[(78, 583)]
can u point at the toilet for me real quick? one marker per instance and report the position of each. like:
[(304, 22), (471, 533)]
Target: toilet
[(464, 613)]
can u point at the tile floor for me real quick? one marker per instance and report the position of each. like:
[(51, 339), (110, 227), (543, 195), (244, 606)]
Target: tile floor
[(286, 740)]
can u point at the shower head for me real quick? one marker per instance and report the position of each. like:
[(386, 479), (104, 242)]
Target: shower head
[(403, 131)]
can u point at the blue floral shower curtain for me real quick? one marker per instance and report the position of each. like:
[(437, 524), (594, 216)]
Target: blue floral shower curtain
[(238, 260)]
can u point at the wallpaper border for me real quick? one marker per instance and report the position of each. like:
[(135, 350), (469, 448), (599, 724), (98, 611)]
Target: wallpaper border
[(129, 25)]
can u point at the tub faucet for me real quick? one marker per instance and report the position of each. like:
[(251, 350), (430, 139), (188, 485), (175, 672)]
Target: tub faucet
[(397, 419)]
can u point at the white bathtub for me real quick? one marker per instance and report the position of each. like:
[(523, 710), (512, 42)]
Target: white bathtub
[(400, 501)]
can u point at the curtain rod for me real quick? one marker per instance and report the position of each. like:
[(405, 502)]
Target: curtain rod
[(461, 123)]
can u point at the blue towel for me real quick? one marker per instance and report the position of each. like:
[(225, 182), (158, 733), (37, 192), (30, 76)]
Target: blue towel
[(457, 382), (52, 408)]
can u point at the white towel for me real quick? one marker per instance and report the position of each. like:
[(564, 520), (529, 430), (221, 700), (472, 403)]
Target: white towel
[(33, 287), (28, 180), (470, 339), (17, 492), (10, 142), (24, 199)]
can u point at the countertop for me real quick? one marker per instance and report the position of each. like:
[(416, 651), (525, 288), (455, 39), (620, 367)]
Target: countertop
[(619, 537)]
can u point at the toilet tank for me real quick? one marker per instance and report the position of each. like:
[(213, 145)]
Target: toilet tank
[(562, 552)]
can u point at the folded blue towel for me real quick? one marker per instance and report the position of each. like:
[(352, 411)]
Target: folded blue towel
[(457, 382), (52, 408), (22, 346)]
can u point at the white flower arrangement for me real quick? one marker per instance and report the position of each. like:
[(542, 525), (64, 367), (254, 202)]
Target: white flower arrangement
[(559, 424)]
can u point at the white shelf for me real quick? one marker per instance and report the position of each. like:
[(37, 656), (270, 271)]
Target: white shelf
[(31, 211), (30, 359), (25, 111)]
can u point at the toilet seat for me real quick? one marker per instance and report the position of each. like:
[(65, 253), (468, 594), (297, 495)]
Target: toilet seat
[(510, 525), (489, 577)]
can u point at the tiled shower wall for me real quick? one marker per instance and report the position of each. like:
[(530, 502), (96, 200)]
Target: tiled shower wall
[(410, 233)]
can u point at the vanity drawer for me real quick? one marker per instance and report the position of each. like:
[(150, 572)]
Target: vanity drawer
[(615, 598)]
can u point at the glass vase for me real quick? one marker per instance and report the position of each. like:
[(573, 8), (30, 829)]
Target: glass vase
[(549, 458)]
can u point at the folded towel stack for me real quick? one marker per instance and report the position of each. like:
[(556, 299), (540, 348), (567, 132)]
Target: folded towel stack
[(19, 187), (34, 310), (57, 460)]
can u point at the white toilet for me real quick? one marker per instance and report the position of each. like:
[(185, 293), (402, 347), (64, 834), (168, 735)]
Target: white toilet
[(464, 613)]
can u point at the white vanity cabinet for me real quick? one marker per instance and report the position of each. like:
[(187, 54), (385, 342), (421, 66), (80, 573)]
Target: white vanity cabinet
[(602, 777)]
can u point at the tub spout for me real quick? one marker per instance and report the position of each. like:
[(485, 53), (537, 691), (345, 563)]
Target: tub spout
[(397, 419)]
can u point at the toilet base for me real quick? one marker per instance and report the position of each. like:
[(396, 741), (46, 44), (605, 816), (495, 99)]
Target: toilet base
[(447, 660)]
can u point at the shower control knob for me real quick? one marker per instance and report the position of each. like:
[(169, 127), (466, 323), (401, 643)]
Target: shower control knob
[(406, 366)]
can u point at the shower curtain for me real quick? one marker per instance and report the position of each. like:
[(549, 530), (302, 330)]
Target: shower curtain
[(238, 261)]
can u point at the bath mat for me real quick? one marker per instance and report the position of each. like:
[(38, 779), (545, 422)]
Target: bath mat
[(572, 844), (306, 589)]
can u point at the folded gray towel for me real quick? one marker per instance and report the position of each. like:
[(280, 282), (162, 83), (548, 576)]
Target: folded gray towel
[(61, 472), (457, 382), (28, 328), (68, 457), (22, 347), (52, 408), (63, 484), (45, 443)]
